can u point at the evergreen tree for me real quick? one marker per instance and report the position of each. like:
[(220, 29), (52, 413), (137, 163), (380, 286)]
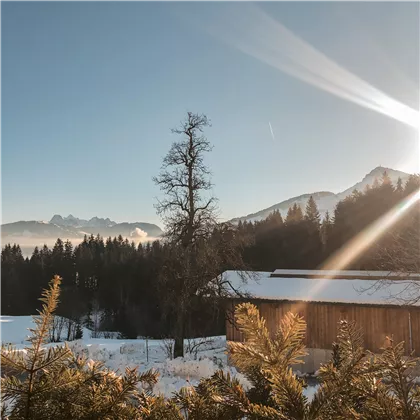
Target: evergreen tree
[(399, 189), (326, 227), (412, 184), (298, 214), (53, 383), (274, 219), (386, 180), (294, 214), (375, 183), (312, 213), (352, 386)]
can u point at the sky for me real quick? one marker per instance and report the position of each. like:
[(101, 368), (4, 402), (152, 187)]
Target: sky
[(90, 91)]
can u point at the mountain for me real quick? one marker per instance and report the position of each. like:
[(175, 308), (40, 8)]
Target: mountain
[(75, 222), (72, 228), (369, 179), (325, 200), (32, 229)]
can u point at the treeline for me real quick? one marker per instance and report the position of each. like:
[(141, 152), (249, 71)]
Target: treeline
[(174, 287), (115, 285), (303, 241), (108, 284)]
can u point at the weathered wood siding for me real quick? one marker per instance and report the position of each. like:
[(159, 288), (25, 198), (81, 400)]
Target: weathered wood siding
[(376, 321)]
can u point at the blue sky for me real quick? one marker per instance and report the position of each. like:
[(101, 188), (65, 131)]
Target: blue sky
[(91, 90)]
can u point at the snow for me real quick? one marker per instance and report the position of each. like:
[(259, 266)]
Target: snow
[(119, 354), (346, 273), (141, 353), (173, 374), (359, 291), (14, 329)]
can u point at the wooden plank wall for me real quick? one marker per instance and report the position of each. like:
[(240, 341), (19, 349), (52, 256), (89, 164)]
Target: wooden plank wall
[(376, 322)]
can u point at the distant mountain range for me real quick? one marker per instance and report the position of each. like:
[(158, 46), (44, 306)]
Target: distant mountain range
[(325, 200), (71, 227), (28, 233)]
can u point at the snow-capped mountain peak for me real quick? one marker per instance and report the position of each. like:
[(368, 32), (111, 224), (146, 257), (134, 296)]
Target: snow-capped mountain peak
[(326, 201), (369, 179)]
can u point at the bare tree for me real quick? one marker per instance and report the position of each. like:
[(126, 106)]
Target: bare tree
[(188, 212), (197, 249)]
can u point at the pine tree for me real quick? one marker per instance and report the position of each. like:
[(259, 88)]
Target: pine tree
[(294, 214), (289, 215), (53, 383), (412, 184), (326, 228), (385, 179), (312, 213), (274, 219), (298, 214), (352, 385), (399, 189), (375, 183)]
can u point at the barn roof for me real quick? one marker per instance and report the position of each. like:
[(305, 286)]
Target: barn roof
[(312, 285)]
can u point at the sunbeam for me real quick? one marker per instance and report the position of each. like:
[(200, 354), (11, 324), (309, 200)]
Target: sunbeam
[(255, 33), (352, 249)]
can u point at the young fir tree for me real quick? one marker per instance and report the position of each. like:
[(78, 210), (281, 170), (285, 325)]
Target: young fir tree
[(53, 383), (354, 385)]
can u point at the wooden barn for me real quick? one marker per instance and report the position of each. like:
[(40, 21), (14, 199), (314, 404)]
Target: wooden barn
[(323, 298)]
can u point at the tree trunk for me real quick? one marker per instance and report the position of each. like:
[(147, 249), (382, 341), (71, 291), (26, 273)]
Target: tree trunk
[(179, 347), (179, 338)]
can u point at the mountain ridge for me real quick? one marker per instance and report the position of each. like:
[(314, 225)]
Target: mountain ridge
[(325, 200), (73, 227)]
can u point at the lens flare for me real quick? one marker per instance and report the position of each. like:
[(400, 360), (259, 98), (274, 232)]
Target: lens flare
[(352, 249), (257, 34)]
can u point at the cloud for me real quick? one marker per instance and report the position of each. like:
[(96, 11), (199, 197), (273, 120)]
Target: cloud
[(138, 234)]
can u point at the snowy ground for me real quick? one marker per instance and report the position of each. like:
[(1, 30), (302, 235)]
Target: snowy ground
[(141, 353)]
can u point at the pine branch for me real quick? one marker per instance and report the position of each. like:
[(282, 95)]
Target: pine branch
[(39, 334)]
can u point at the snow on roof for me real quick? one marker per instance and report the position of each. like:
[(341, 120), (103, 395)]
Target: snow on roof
[(362, 291), (374, 275)]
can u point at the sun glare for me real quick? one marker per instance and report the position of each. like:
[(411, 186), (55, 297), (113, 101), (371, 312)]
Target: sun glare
[(259, 35), (352, 249)]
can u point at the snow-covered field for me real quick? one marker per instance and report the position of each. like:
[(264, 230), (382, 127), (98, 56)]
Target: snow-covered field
[(141, 353)]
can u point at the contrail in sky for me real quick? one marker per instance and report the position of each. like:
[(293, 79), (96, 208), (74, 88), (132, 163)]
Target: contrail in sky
[(271, 130)]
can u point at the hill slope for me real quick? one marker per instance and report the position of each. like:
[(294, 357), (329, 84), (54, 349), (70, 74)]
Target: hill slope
[(325, 200)]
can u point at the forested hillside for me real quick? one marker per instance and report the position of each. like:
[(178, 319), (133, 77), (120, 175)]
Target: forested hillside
[(118, 285)]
